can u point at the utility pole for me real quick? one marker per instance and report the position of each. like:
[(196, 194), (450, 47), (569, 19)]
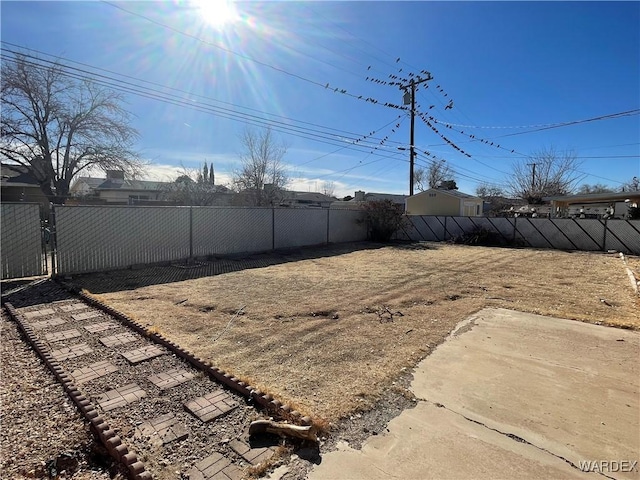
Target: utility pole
[(412, 101), (533, 177)]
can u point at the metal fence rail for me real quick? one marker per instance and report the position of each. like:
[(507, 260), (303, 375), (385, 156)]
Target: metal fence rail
[(21, 240), (557, 233)]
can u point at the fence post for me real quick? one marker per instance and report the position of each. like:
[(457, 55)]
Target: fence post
[(515, 229), (328, 224), (444, 239), (273, 228), (190, 233), (53, 240), (604, 237)]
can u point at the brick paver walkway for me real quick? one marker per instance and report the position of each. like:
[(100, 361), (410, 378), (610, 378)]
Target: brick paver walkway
[(211, 406), (119, 339), (145, 353), (95, 370), (169, 432), (38, 313), (54, 322), (215, 467), (100, 327), (163, 429), (85, 315), (170, 378), (64, 335), (252, 455), (73, 307), (119, 397), (71, 352)]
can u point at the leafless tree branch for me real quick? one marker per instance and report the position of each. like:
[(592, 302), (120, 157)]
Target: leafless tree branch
[(57, 126)]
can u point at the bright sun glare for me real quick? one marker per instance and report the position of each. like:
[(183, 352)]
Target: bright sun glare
[(217, 13)]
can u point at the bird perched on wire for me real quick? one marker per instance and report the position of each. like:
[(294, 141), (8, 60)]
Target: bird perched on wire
[(449, 106)]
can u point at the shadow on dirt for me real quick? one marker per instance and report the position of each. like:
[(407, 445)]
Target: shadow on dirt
[(137, 277)]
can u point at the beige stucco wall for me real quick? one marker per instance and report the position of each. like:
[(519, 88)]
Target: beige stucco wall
[(123, 195), (434, 202)]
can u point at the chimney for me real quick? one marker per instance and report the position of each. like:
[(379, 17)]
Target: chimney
[(116, 176), (359, 196)]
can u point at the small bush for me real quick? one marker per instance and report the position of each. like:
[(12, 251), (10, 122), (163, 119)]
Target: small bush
[(383, 219), (481, 236)]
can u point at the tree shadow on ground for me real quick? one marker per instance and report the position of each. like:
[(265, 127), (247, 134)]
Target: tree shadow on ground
[(137, 277), (38, 292)]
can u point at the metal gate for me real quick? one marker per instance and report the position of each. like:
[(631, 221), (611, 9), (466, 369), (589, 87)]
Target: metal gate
[(22, 241)]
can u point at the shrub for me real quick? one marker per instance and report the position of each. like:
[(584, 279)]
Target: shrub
[(383, 219), (481, 236)]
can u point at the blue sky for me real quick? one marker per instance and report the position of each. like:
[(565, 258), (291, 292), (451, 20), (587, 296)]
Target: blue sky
[(504, 65)]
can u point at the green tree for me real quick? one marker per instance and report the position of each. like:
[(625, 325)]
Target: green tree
[(205, 173)]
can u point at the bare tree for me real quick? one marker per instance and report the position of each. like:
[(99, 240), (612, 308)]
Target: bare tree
[(632, 185), (494, 198), (595, 188), (57, 126), (556, 173), (432, 176), (328, 188), (262, 176), (190, 189)]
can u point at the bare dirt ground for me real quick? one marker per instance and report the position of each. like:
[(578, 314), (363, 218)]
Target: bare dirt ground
[(332, 330)]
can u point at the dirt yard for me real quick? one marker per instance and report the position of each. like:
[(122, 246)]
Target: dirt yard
[(330, 331)]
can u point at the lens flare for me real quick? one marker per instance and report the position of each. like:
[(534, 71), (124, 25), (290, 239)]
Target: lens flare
[(217, 13)]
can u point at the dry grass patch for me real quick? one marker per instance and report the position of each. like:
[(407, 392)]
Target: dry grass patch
[(319, 332)]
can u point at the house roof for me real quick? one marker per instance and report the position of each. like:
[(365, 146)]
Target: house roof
[(13, 175), (374, 197), (90, 181), (110, 184), (594, 197), (308, 196), (453, 193)]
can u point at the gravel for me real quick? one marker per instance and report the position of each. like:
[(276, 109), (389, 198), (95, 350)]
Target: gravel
[(42, 432), (169, 461)]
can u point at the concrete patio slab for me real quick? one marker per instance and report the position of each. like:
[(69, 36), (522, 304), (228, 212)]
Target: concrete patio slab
[(513, 395)]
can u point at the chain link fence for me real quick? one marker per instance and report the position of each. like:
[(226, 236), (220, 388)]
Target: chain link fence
[(22, 242), (97, 238)]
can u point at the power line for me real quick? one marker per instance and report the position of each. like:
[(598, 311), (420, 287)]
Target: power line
[(154, 94), (190, 94), (325, 86), (627, 113)]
